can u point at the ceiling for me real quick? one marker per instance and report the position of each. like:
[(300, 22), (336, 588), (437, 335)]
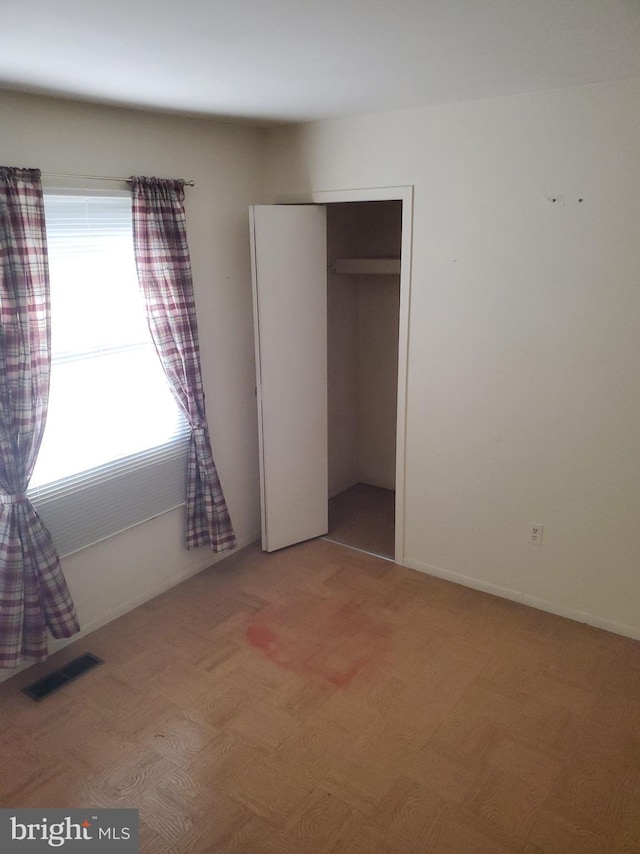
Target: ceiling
[(296, 60)]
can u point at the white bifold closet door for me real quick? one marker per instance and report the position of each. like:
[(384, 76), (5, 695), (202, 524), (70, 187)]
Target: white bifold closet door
[(289, 266)]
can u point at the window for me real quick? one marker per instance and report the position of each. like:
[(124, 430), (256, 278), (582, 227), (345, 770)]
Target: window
[(114, 448)]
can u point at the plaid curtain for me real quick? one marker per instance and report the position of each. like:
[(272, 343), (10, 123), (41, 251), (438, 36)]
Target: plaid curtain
[(33, 593), (164, 272)]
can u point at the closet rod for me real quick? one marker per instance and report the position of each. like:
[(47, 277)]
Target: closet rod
[(190, 183)]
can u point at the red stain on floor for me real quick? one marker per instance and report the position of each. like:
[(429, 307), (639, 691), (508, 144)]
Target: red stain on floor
[(325, 639)]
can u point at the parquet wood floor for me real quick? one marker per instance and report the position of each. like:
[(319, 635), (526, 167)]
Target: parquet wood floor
[(319, 700)]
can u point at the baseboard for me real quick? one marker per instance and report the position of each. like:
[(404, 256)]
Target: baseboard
[(523, 598), (342, 488), (210, 559)]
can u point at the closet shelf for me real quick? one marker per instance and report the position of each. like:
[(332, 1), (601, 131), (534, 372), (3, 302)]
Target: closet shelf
[(367, 266)]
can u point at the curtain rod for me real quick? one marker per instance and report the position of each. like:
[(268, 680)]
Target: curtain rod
[(190, 183)]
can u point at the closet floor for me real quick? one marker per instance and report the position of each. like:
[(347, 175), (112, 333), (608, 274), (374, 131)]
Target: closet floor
[(364, 517)]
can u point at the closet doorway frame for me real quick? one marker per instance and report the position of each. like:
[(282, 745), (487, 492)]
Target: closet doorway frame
[(405, 195)]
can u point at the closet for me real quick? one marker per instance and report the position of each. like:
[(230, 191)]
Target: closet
[(326, 313), (363, 304)]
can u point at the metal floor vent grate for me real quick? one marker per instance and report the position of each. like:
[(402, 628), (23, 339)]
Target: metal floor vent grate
[(62, 676)]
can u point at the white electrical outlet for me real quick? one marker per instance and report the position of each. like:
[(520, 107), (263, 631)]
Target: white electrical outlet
[(535, 533)]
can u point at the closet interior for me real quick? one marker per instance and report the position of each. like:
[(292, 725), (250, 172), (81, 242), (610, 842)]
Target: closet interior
[(363, 306)]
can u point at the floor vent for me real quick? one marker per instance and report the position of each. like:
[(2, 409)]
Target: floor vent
[(59, 678)]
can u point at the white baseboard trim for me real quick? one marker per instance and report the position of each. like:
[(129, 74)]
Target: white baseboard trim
[(210, 559), (526, 599)]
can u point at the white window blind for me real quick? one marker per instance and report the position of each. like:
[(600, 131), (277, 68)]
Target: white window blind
[(114, 448)]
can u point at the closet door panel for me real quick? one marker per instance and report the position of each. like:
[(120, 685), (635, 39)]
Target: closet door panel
[(290, 314)]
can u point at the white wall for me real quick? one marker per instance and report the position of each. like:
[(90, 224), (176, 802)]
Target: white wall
[(379, 236), (342, 351), (226, 162), (378, 316), (523, 392), (362, 326)]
